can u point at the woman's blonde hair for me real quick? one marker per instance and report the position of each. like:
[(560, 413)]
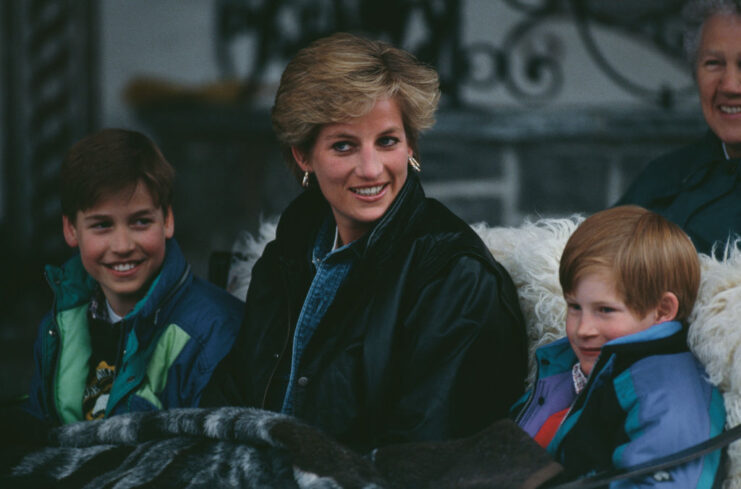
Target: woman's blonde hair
[(341, 77), (644, 253)]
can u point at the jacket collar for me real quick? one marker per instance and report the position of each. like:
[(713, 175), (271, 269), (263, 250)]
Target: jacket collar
[(691, 167), (557, 357), (656, 332), (175, 273), (73, 286), (715, 146), (711, 152), (397, 219), (302, 219)]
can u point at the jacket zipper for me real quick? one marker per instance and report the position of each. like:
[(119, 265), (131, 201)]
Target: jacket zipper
[(49, 388), (529, 401), (285, 344), (584, 392), (123, 339)]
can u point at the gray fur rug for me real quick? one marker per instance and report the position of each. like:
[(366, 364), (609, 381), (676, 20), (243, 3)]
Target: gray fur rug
[(250, 448)]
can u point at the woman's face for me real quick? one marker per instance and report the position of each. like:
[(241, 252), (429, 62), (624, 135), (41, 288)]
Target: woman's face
[(360, 165), (718, 74)]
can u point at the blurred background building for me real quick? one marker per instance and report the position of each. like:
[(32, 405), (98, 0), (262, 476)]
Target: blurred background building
[(550, 107)]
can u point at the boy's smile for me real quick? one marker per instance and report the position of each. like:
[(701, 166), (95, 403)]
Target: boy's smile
[(122, 244), (596, 314)]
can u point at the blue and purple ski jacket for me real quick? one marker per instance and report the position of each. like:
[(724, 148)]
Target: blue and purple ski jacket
[(646, 397)]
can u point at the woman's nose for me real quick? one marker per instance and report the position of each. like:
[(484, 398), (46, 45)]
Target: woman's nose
[(730, 82), (370, 165)]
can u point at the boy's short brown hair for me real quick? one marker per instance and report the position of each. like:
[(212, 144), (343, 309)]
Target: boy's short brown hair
[(646, 254), (108, 162)]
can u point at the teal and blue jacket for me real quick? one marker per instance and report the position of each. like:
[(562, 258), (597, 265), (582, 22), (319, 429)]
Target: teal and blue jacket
[(172, 341), (647, 397)]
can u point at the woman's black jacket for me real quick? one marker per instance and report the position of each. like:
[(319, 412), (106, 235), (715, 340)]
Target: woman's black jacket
[(424, 340)]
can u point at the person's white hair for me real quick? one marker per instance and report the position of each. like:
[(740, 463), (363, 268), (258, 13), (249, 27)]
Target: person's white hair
[(695, 14)]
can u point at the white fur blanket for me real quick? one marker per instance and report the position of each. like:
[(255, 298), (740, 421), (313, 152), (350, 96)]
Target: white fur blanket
[(531, 254)]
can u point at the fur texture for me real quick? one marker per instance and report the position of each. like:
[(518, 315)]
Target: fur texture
[(531, 254), (245, 252), (715, 337), (513, 459), (193, 448), (239, 447), (249, 448)]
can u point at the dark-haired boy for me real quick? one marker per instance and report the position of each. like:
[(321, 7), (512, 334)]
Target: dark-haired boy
[(131, 328)]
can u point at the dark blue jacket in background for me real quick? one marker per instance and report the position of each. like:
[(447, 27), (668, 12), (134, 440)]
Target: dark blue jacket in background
[(695, 187)]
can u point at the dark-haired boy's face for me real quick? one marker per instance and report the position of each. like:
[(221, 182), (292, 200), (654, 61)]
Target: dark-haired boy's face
[(122, 241)]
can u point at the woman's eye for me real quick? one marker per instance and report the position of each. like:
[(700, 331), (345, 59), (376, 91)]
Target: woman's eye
[(387, 141), (711, 62), (341, 146)]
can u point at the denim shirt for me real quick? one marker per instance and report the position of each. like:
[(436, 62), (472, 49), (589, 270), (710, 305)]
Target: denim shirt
[(332, 266)]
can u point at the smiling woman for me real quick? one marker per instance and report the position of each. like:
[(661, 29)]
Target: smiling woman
[(376, 314), (718, 75), (360, 166), (697, 186)]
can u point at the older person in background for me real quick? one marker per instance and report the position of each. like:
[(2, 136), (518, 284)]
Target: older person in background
[(698, 186), (376, 314)]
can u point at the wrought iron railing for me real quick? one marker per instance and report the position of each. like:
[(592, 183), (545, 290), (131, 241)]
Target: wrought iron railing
[(51, 101), (527, 62)]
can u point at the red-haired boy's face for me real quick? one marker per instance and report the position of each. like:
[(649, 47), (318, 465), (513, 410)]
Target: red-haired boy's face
[(122, 242), (596, 314)]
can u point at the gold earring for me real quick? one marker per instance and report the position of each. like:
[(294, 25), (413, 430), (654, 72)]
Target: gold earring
[(305, 180), (415, 164)]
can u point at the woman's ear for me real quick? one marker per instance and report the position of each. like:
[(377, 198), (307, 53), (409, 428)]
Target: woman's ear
[(668, 308), (301, 160)]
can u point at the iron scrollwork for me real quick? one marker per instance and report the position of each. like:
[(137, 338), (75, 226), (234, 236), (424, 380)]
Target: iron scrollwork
[(527, 62), (279, 28)]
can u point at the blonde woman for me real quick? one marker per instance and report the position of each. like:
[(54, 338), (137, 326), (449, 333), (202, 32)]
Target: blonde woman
[(376, 314)]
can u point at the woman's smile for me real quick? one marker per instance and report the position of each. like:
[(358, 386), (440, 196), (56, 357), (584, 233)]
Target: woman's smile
[(374, 191), (360, 166)]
